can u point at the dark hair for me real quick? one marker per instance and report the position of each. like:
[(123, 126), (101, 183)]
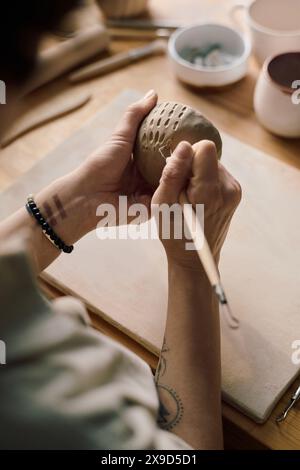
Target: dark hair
[(23, 23)]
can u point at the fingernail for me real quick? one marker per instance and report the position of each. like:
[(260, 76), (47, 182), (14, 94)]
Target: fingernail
[(149, 94)]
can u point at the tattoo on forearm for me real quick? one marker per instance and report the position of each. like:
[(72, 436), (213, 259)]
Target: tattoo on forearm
[(162, 365), (59, 206), (171, 407), (51, 214), (171, 414)]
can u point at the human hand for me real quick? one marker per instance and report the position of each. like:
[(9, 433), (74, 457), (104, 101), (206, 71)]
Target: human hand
[(70, 203), (110, 171), (206, 181)]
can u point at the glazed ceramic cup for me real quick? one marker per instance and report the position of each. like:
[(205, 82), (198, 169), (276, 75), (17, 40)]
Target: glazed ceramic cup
[(277, 95), (274, 26)]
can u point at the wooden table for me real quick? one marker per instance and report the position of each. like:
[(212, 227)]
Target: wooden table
[(231, 109)]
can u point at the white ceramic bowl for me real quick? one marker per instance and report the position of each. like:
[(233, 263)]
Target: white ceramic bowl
[(202, 35)]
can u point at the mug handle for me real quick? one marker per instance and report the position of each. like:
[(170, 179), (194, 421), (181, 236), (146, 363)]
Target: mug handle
[(233, 10)]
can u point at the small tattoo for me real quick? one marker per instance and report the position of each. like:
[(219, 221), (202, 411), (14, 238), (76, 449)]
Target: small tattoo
[(171, 414), (162, 365), (59, 206), (50, 217)]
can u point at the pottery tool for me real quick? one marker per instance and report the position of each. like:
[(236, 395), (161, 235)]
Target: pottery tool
[(45, 112), (142, 24), (117, 61), (160, 132), (64, 56), (205, 255), (119, 33), (294, 399)]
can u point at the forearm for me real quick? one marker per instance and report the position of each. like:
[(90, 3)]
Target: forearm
[(65, 208), (188, 377)]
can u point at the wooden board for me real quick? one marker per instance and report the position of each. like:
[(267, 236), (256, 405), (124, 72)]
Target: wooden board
[(54, 108), (125, 281)]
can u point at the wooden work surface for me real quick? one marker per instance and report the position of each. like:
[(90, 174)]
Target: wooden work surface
[(231, 109)]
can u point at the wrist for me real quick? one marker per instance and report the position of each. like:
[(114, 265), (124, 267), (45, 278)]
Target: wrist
[(65, 207), (178, 255), (186, 268), (193, 285)]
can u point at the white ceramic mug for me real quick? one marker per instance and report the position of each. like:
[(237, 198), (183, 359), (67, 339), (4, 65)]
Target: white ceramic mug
[(277, 95), (274, 26)]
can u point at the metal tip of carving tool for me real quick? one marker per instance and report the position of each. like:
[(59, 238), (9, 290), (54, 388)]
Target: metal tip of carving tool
[(232, 321), (294, 399)]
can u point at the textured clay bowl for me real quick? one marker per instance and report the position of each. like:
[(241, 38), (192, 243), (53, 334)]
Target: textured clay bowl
[(161, 131)]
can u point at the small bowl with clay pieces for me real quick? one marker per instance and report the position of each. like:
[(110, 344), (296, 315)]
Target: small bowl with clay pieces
[(209, 55)]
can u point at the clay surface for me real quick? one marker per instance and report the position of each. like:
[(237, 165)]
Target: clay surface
[(161, 131)]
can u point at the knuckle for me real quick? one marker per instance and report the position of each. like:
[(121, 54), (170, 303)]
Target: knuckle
[(231, 188), (171, 172), (236, 193), (209, 194), (183, 150)]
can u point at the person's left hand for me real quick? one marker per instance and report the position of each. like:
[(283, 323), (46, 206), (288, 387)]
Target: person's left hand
[(69, 204), (110, 171)]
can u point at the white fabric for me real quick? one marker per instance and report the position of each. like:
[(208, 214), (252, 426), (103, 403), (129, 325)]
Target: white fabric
[(65, 385)]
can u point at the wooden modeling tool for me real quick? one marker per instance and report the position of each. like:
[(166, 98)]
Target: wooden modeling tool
[(142, 24), (140, 34), (117, 61), (61, 58), (294, 400), (206, 258)]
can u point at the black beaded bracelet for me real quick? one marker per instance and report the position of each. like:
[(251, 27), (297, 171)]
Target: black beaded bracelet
[(47, 230)]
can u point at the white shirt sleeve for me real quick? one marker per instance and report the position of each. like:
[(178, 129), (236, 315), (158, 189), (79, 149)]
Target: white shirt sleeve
[(67, 386)]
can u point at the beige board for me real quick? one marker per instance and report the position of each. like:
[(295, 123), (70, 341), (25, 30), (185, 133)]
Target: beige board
[(45, 112), (125, 281)]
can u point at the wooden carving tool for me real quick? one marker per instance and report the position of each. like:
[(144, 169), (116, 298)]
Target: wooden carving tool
[(119, 60), (142, 24), (206, 257), (140, 34), (61, 58), (43, 113)]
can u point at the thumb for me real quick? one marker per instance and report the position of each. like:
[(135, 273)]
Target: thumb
[(175, 175), (126, 130)]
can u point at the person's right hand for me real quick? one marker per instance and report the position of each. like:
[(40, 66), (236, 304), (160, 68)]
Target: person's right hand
[(197, 170)]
